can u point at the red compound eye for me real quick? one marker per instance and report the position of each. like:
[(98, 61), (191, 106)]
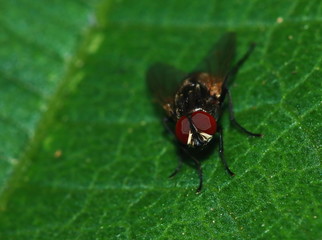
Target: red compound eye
[(203, 121), (182, 129)]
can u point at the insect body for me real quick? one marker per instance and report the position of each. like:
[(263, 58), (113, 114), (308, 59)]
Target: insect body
[(194, 105), (196, 109)]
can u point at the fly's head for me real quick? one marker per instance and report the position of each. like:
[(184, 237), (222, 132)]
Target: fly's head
[(196, 130)]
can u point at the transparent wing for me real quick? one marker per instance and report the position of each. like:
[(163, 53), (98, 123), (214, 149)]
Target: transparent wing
[(163, 81), (219, 60)]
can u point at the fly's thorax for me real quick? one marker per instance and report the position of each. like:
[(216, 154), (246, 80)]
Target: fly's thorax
[(191, 95)]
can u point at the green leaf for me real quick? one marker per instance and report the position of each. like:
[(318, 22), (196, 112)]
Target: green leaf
[(38, 41), (83, 153)]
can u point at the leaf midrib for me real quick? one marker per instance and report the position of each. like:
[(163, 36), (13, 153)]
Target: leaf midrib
[(53, 104)]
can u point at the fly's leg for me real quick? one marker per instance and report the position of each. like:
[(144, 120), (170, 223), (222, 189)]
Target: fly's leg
[(178, 168), (166, 121), (221, 151), (233, 119), (198, 165), (180, 163), (241, 61), (231, 75), (199, 173)]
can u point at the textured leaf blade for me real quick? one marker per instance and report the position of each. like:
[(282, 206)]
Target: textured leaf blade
[(110, 180)]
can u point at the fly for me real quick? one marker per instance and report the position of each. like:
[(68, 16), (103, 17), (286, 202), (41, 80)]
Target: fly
[(194, 105)]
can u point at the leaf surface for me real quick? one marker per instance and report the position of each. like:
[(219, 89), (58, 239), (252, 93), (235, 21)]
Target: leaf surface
[(84, 154)]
